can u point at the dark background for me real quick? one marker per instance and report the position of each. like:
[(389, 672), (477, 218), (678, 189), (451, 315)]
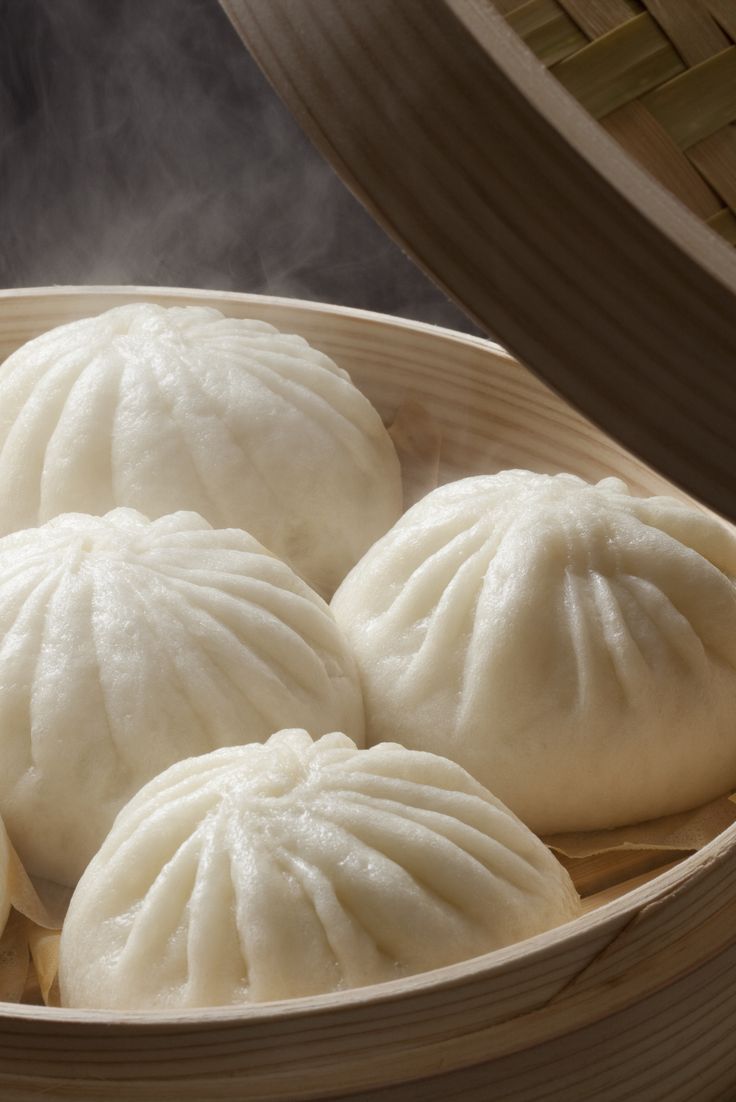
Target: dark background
[(139, 143)]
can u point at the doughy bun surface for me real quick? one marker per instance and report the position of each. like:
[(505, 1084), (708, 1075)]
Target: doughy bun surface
[(572, 646), (298, 867), (168, 408), (127, 645)]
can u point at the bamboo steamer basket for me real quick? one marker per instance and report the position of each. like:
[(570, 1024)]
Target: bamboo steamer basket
[(492, 174), (636, 1000)]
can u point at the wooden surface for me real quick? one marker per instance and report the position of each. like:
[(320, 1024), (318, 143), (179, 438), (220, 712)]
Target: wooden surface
[(503, 188), (635, 1001)]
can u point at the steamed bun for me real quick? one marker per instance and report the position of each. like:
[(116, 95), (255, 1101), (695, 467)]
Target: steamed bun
[(127, 645), (572, 646), (297, 867), (176, 408)]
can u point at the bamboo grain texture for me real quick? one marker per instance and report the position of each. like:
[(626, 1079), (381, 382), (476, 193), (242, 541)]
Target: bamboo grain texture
[(660, 80), (634, 1001), (523, 209)]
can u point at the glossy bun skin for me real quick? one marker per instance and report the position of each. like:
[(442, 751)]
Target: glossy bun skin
[(299, 867), (169, 408), (127, 645), (570, 644)]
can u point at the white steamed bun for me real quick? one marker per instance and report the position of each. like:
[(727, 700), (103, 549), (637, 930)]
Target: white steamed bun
[(127, 645), (174, 408), (572, 646), (297, 867)]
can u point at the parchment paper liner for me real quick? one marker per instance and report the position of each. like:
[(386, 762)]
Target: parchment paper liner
[(601, 859), (29, 943)]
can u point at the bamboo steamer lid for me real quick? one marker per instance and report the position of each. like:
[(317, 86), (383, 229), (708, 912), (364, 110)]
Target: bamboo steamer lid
[(660, 76), (526, 210)]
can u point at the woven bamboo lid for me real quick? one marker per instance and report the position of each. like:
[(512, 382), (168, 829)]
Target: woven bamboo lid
[(660, 76), (506, 190)]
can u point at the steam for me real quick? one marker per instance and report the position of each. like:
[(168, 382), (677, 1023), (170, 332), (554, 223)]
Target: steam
[(139, 143)]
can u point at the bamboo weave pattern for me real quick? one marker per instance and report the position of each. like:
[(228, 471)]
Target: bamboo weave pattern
[(660, 76)]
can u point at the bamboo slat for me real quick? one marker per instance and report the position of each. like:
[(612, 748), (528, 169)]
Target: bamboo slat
[(725, 14), (620, 66), (645, 139), (711, 86), (724, 223), (597, 17), (547, 30), (692, 29), (715, 158)]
